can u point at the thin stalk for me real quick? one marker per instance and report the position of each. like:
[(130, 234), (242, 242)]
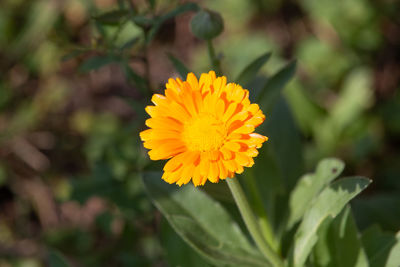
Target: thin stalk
[(215, 62), (251, 222)]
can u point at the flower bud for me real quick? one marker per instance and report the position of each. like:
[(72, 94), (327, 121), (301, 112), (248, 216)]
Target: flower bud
[(206, 24)]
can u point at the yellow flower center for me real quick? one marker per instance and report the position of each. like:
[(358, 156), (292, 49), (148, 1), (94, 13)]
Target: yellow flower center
[(204, 133)]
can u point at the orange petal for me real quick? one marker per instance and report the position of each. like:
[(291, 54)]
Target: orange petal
[(164, 123), (214, 172), (175, 162), (232, 146), (241, 159), (245, 129), (158, 99), (192, 80), (223, 171), (186, 175), (166, 151)]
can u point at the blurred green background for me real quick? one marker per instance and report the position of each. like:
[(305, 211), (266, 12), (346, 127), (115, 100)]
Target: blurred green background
[(76, 75)]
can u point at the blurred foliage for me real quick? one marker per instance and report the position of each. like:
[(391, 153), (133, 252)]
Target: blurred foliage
[(75, 78)]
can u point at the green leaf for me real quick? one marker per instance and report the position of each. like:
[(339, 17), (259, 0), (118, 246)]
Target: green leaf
[(271, 91), (355, 97), (273, 178), (152, 3), (73, 54), (268, 180), (113, 17), (179, 66), (130, 43), (310, 185), (338, 243), (178, 253), (368, 210), (285, 142), (57, 260), (160, 20), (394, 254), (202, 223), (250, 71), (97, 62), (135, 79), (328, 204), (307, 112), (142, 21), (382, 248)]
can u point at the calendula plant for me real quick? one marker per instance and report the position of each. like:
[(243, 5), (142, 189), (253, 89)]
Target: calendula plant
[(205, 128)]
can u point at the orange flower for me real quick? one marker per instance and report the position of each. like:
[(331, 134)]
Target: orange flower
[(205, 127)]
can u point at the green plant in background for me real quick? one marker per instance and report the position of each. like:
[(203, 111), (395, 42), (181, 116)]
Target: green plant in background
[(74, 175)]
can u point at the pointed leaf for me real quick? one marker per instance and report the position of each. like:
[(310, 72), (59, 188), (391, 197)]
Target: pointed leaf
[(97, 62), (271, 91), (142, 21), (112, 17), (285, 142), (56, 259), (73, 54), (152, 3), (177, 252), (134, 78), (273, 178), (310, 185), (339, 244), (328, 204), (179, 66), (130, 43), (202, 222), (250, 71), (394, 254), (382, 248)]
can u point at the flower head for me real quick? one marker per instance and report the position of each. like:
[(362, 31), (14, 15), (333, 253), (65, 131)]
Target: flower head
[(204, 127)]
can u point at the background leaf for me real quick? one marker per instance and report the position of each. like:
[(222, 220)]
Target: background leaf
[(285, 142), (369, 209), (339, 244), (382, 248), (272, 176), (179, 66), (250, 71), (73, 54), (112, 17), (130, 43), (135, 79), (56, 259), (271, 91), (97, 62), (329, 203)]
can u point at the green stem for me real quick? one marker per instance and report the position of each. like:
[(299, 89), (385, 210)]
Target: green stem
[(251, 223), (214, 60), (265, 226)]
